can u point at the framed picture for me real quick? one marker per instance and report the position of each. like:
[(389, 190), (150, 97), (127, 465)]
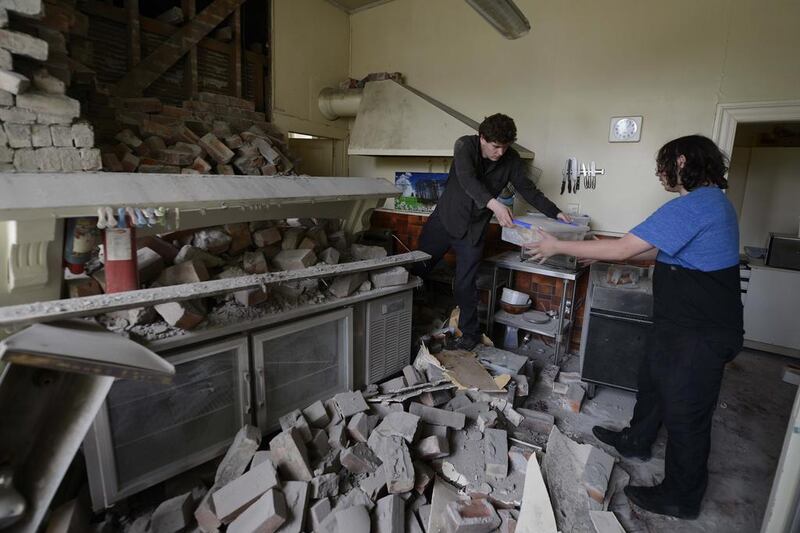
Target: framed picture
[(420, 190)]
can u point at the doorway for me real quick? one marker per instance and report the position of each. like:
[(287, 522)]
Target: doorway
[(783, 508)]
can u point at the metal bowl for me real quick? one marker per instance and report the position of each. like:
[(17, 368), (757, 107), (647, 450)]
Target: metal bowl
[(514, 309)]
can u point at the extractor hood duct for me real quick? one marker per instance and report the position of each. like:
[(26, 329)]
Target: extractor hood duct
[(393, 119)]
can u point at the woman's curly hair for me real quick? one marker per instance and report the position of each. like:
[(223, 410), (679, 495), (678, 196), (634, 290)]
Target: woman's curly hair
[(705, 163)]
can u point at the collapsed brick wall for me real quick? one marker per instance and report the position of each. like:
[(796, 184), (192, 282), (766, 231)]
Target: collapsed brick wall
[(215, 134), (40, 128)]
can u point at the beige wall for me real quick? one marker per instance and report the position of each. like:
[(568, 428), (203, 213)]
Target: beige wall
[(584, 62), (310, 51)]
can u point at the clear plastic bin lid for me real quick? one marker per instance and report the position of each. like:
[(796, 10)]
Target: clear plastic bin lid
[(561, 230)]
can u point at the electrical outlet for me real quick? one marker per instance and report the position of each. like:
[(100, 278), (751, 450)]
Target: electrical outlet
[(574, 209)]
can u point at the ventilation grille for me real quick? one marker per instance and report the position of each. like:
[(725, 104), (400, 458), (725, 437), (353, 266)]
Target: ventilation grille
[(388, 336)]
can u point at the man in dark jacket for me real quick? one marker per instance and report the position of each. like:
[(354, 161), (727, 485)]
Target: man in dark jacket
[(482, 166)]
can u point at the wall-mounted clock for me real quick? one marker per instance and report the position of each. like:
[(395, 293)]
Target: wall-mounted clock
[(625, 130)]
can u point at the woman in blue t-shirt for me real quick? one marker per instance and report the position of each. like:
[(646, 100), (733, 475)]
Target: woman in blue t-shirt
[(697, 329)]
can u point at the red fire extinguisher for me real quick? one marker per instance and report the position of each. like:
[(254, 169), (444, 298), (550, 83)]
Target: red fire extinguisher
[(120, 254), (80, 237)]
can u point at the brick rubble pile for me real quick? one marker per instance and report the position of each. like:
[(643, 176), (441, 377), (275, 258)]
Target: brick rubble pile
[(234, 250), (215, 134)]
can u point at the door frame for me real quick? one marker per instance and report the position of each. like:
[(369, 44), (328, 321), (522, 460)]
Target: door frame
[(730, 115), (783, 509)]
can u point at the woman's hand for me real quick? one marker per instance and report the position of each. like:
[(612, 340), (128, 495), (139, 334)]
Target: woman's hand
[(544, 248), (563, 217)]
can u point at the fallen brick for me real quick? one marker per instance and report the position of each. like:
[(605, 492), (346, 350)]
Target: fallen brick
[(432, 447), (266, 515), (330, 256), (290, 456), (324, 486), (111, 162), (574, 397), (597, 473), (360, 252), (318, 512), (292, 238), (266, 237), (294, 259), (317, 415), (477, 516), (184, 315), (390, 515), (389, 277), (350, 403), (423, 475), (438, 417), (251, 297), (212, 240), (149, 264), (172, 515), (201, 165), (337, 435), (296, 494), (232, 498), (318, 446), (358, 427), (240, 237), (215, 148), (78, 288), (496, 452), (190, 271), (399, 424), (353, 519), (344, 286), (190, 253), (359, 459)]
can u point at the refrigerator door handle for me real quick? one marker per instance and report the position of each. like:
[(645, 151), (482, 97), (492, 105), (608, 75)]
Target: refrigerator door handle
[(246, 391)]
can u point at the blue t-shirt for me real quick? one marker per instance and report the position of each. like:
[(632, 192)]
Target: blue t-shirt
[(697, 231)]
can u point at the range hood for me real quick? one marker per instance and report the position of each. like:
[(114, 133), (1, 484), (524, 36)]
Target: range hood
[(393, 119)]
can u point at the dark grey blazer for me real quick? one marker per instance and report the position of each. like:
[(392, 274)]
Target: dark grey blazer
[(473, 181)]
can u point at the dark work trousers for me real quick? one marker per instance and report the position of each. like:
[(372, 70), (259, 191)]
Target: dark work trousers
[(434, 240), (679, 382)]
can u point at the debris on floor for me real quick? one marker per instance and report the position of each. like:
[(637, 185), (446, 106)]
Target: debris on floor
[(439, 448)]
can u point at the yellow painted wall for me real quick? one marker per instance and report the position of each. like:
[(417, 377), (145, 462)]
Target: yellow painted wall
[(310, 51), (584, 62)]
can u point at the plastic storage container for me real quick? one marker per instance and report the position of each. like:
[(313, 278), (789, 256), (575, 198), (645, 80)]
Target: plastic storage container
[(561, 230)]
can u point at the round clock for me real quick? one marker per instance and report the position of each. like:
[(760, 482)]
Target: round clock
[(625, 129)]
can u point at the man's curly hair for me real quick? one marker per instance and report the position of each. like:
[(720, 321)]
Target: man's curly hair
[(705, 163), (498, 128)]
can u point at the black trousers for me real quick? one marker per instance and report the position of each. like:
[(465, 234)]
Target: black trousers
[(679, 382), (435, 240)]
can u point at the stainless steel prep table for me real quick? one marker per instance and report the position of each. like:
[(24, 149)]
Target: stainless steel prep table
[(511, 262)]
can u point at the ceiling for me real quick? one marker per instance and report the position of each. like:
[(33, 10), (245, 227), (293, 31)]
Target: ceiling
[(352, 6)]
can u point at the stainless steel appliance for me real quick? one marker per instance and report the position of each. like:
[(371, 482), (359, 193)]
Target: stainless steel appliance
[(617, 322), (783, 251)]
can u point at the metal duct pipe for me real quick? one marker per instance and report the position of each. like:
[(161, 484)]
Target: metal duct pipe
[(337, 103)]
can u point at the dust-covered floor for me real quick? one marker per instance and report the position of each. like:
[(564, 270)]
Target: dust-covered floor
[(747, 436)]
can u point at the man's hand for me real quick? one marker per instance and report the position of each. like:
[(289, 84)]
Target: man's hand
[(563, 217), (502, 213), (544, 247)]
